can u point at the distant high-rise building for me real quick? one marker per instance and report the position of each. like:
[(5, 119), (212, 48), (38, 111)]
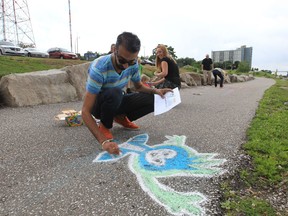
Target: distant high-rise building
[(241, 54)]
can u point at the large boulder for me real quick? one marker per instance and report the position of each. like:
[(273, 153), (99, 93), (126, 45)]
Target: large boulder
[(77, 77), (226, 77), (44, 87), (41, 87), (250, 77), (193, 79), (233, 78), (187, 79)]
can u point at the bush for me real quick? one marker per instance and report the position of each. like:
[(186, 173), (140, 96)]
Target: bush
[(149, 70), (189, 68), (243, 67)]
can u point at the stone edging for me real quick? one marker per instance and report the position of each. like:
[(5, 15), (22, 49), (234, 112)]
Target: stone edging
[(68, 84)]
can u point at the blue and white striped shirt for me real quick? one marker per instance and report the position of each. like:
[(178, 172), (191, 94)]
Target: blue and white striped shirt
[(102, 75)]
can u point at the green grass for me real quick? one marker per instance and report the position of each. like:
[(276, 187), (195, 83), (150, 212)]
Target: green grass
[(268, 146), (248, 206), (15, 64), (268, 135), (149, 70), (263, 74)]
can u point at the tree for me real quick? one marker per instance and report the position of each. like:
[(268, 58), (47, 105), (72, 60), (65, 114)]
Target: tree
[(170, 50), (218, 65), (224, 65), (236, 64), (243, 67), (26, 45), (185, 61), (227, 65)]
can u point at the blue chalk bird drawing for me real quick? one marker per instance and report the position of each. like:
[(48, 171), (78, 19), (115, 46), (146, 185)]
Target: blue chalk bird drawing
[(169, 159)]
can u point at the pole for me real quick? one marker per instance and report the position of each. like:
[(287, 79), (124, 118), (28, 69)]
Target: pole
[(70, 26), (3, 16), (77, 43), (16, 23)]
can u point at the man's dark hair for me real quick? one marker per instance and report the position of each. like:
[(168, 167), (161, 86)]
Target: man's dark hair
[(130, 41)]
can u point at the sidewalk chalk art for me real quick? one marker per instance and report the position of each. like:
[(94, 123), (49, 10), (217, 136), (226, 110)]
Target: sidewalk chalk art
[(169, 159)]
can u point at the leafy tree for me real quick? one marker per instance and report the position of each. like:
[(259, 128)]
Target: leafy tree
[(26, 45), (224, 65), (227, 65), (185, 61), (170, 50), (218, 65), (197, 64), (243, 67), (236, 64), (153, 56)]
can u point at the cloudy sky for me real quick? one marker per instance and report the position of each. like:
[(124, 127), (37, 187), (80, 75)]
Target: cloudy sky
[(192, 28)]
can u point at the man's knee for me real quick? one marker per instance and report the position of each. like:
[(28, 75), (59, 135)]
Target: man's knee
[(112, 96), (113, 93)]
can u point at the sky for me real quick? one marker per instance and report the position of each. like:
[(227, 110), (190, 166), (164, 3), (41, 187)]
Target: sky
[(192, 28)]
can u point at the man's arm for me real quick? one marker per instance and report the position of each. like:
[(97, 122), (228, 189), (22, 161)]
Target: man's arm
[(142, 88), (89, 101)]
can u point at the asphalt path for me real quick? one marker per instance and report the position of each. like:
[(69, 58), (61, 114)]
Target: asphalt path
[(47, 167)]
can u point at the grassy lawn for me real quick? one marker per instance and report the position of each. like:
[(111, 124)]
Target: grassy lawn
[(268, 147), (16, 64)]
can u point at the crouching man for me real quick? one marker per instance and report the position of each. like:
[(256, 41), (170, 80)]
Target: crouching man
[(104, 98)]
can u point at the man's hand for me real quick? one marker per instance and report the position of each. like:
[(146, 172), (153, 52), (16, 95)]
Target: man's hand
[(111, 148), (162, 92)]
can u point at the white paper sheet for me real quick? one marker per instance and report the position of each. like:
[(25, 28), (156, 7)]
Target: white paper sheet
[(162, 105)]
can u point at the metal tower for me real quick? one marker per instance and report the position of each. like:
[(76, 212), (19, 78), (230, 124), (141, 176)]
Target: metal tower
[(16, 23)]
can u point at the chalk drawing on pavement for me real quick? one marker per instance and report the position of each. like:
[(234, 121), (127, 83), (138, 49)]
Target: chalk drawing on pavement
[(169, 159)]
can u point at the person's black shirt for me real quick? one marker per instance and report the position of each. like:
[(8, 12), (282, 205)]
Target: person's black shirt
[(173, 71), (207, 62)]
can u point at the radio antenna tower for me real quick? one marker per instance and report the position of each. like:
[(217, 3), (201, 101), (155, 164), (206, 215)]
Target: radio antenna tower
[(16, 23)]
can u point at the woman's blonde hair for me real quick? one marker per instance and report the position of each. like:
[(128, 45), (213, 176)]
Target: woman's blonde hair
[(165, 53)]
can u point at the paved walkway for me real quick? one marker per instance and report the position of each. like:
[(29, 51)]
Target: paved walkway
[(47, 168)]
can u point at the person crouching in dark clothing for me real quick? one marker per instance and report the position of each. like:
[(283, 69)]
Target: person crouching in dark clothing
[(218, 72)]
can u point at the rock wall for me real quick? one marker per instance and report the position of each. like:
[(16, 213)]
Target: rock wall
[(190, 79), (68, 84), (44, 87)]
